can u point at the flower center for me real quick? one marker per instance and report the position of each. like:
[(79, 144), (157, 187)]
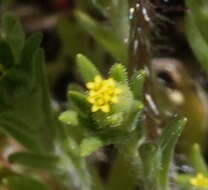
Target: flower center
[(102, 93)]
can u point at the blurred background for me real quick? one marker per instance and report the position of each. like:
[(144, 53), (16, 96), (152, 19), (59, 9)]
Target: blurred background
[(63, 37), (66, 33)]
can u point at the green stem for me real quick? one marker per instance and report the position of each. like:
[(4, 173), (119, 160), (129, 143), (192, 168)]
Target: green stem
[(74, 171), (74, 166), (197, 160), (123, 175)]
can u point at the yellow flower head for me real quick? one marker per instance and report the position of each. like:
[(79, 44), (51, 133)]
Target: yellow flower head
[(199, 181), (102, 93)]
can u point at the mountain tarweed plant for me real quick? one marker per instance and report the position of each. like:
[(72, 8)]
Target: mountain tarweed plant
[(109, 112)]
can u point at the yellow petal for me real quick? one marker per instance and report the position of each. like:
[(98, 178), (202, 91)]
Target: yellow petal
[(105, 108), (90, 85), (199, 180), (95, 108), (91, 100), (100, 101), (92, 93), (114, 99), (193, 181), (106, 97)]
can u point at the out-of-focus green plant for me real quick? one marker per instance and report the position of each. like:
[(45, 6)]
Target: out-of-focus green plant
[(103, 30), (113, 33), (23, 85), (197, 30), (199, 180), (110, 32), (26, 116)]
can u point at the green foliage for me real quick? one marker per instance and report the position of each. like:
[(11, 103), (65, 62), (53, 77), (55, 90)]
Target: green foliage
[(26, 114), (90, 145), (117, 12), (71, 33), (133, 115), (54, 151), (167, 144), (101, 27), (80, 102), (23, 86), (118, 73), (156, 158), (198, 163), (6, 57), (150, 166), (34, 160), (200, 15), (197, 160), (103, 36), (87, 70), (121, 126), (69, 117), (13, 34), (197, 31), (24, 183)]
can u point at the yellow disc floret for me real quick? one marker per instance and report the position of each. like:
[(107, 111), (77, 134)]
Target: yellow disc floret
[(199, 181), (102, 93)]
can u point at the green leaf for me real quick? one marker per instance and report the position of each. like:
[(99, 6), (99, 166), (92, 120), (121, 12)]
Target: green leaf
[(104, 36), (69, 117), (27, 139), (31, 46), (25, 108), (124, 173), (132, 117), (167, 142), (197, 160), (118, 73), (137, 84), (119, 18), (150, 165), (13, 33), (80, 102), (196, 41), (75, 87), (117, 14), (6, 57), (200, 16), (90, 145), (21, 78), (171, 133), (86, 68), (24, 183), (101, 6), (183, 181), (43, 111), (34, 160), (70, 34), (30, 56)]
